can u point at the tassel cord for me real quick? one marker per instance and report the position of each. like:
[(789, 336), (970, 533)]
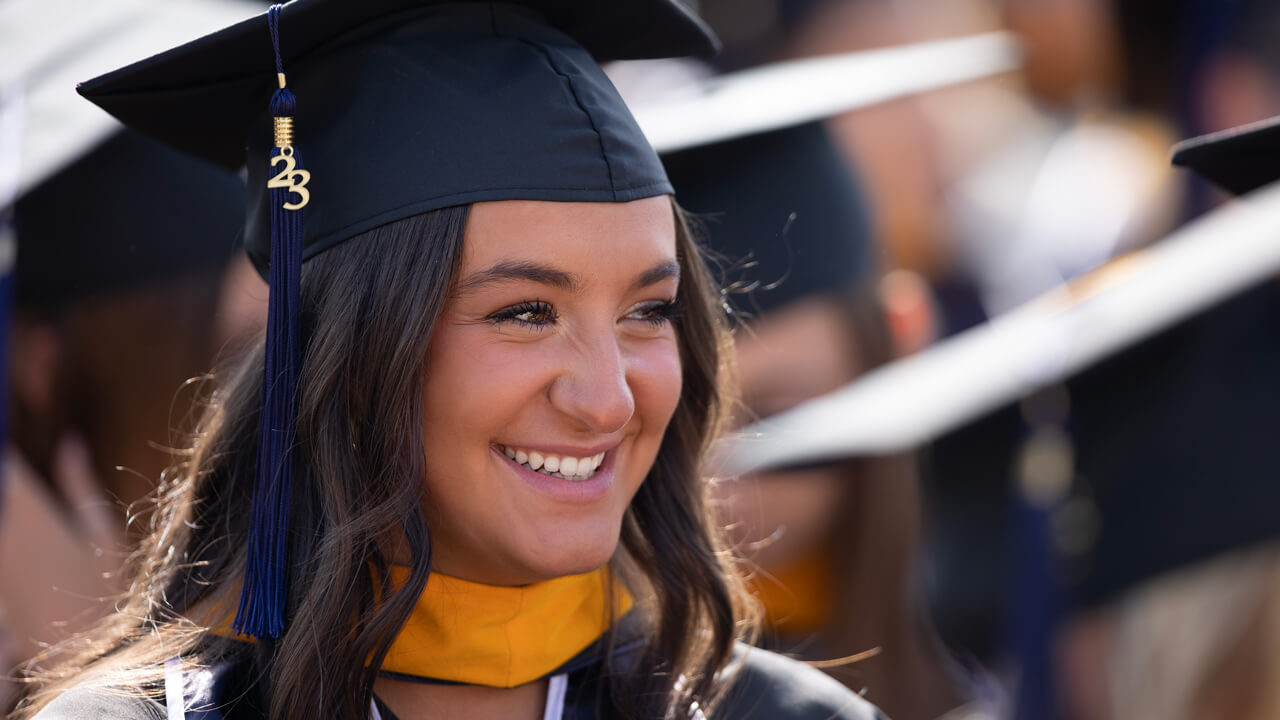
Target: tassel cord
[(264, 593)]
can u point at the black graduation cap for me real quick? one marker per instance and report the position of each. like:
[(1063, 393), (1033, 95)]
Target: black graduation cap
[(401, 107), (129, 213), (785, 204), (1180, 430), (1240, 159), (398, 98), (1176, 445)]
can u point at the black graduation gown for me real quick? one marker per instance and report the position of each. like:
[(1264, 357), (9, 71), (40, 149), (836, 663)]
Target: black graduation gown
[(766, 686)]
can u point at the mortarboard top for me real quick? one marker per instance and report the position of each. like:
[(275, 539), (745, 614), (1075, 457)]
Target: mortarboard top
[(98, 209)]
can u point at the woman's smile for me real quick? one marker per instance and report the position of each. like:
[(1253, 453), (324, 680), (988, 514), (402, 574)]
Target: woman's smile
[(581, 486), (573, 467)]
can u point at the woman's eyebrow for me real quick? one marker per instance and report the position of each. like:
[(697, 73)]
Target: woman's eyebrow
[(508, 270), (656, 274)]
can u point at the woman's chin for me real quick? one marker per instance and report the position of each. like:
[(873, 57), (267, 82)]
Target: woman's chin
[(531, 563), (551, 565)]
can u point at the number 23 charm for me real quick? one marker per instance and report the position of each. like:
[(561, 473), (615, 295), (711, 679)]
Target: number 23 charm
[(293, 179)]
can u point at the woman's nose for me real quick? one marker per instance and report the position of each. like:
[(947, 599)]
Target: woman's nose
[(593, 389)]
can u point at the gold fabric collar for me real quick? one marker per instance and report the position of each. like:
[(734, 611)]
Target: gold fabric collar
[(466, 632)]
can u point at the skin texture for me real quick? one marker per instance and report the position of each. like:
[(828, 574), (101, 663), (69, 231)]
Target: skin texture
[(529, 361)]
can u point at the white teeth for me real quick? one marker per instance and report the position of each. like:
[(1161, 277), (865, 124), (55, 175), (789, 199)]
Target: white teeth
[(568, 468)]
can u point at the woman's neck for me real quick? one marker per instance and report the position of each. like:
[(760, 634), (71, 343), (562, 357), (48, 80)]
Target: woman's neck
[(425, 701)]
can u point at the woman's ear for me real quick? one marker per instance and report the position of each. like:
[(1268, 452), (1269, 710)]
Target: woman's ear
[(908, 308)]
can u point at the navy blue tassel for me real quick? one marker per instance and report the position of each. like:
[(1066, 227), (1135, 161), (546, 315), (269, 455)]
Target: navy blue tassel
[(264, 594)]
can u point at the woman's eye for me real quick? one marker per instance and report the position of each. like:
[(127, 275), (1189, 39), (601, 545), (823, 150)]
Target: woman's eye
[(657, 313), (535, 314)]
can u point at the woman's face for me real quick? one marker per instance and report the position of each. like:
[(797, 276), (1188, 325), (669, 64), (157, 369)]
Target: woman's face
[(556, 346)]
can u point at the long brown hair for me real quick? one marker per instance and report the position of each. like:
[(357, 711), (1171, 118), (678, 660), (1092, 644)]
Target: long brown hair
[(369, 307)]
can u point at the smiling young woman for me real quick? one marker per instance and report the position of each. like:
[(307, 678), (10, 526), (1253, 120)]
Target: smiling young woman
[(557, 348), (509, 371)]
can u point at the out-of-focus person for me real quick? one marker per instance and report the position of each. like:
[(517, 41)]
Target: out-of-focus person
[(115, 305), (1174, 573), (1180, 613), (1042, 178), (996, 191), (113, 313), (122, 247), (1149, 455), (834, 547)]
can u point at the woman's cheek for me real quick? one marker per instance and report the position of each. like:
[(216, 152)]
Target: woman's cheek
[(657, 379), (500, 364)]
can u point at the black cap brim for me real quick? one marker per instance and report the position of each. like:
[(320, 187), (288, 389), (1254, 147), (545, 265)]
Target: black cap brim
[(1240, 160)]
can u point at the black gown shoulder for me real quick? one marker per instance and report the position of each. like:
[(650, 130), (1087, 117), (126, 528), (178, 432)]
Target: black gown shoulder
[(764, 686), (769, 685)]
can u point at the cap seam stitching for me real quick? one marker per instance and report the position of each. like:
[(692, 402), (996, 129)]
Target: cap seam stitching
[(573, 92)]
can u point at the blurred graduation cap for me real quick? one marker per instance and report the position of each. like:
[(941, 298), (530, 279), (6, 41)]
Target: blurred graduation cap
[(402, 107), (99, 209), (85, 208), (1151, 449), (1240, 159), (747, 151), (919, 398), (783, 208), (1115, 429), (794, 92), (1149, 305)]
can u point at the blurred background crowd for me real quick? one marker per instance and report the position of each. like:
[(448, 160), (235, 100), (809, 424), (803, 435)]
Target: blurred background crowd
[(944, 580)]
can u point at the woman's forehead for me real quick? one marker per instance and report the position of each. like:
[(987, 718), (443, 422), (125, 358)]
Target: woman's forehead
[(579, 238)]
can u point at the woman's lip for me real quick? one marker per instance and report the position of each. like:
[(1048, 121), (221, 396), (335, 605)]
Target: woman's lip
[(569, 491), (560, 450)]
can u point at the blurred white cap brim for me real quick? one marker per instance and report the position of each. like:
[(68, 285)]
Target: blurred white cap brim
[(48, 46), (691, 111), (915, 400)]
